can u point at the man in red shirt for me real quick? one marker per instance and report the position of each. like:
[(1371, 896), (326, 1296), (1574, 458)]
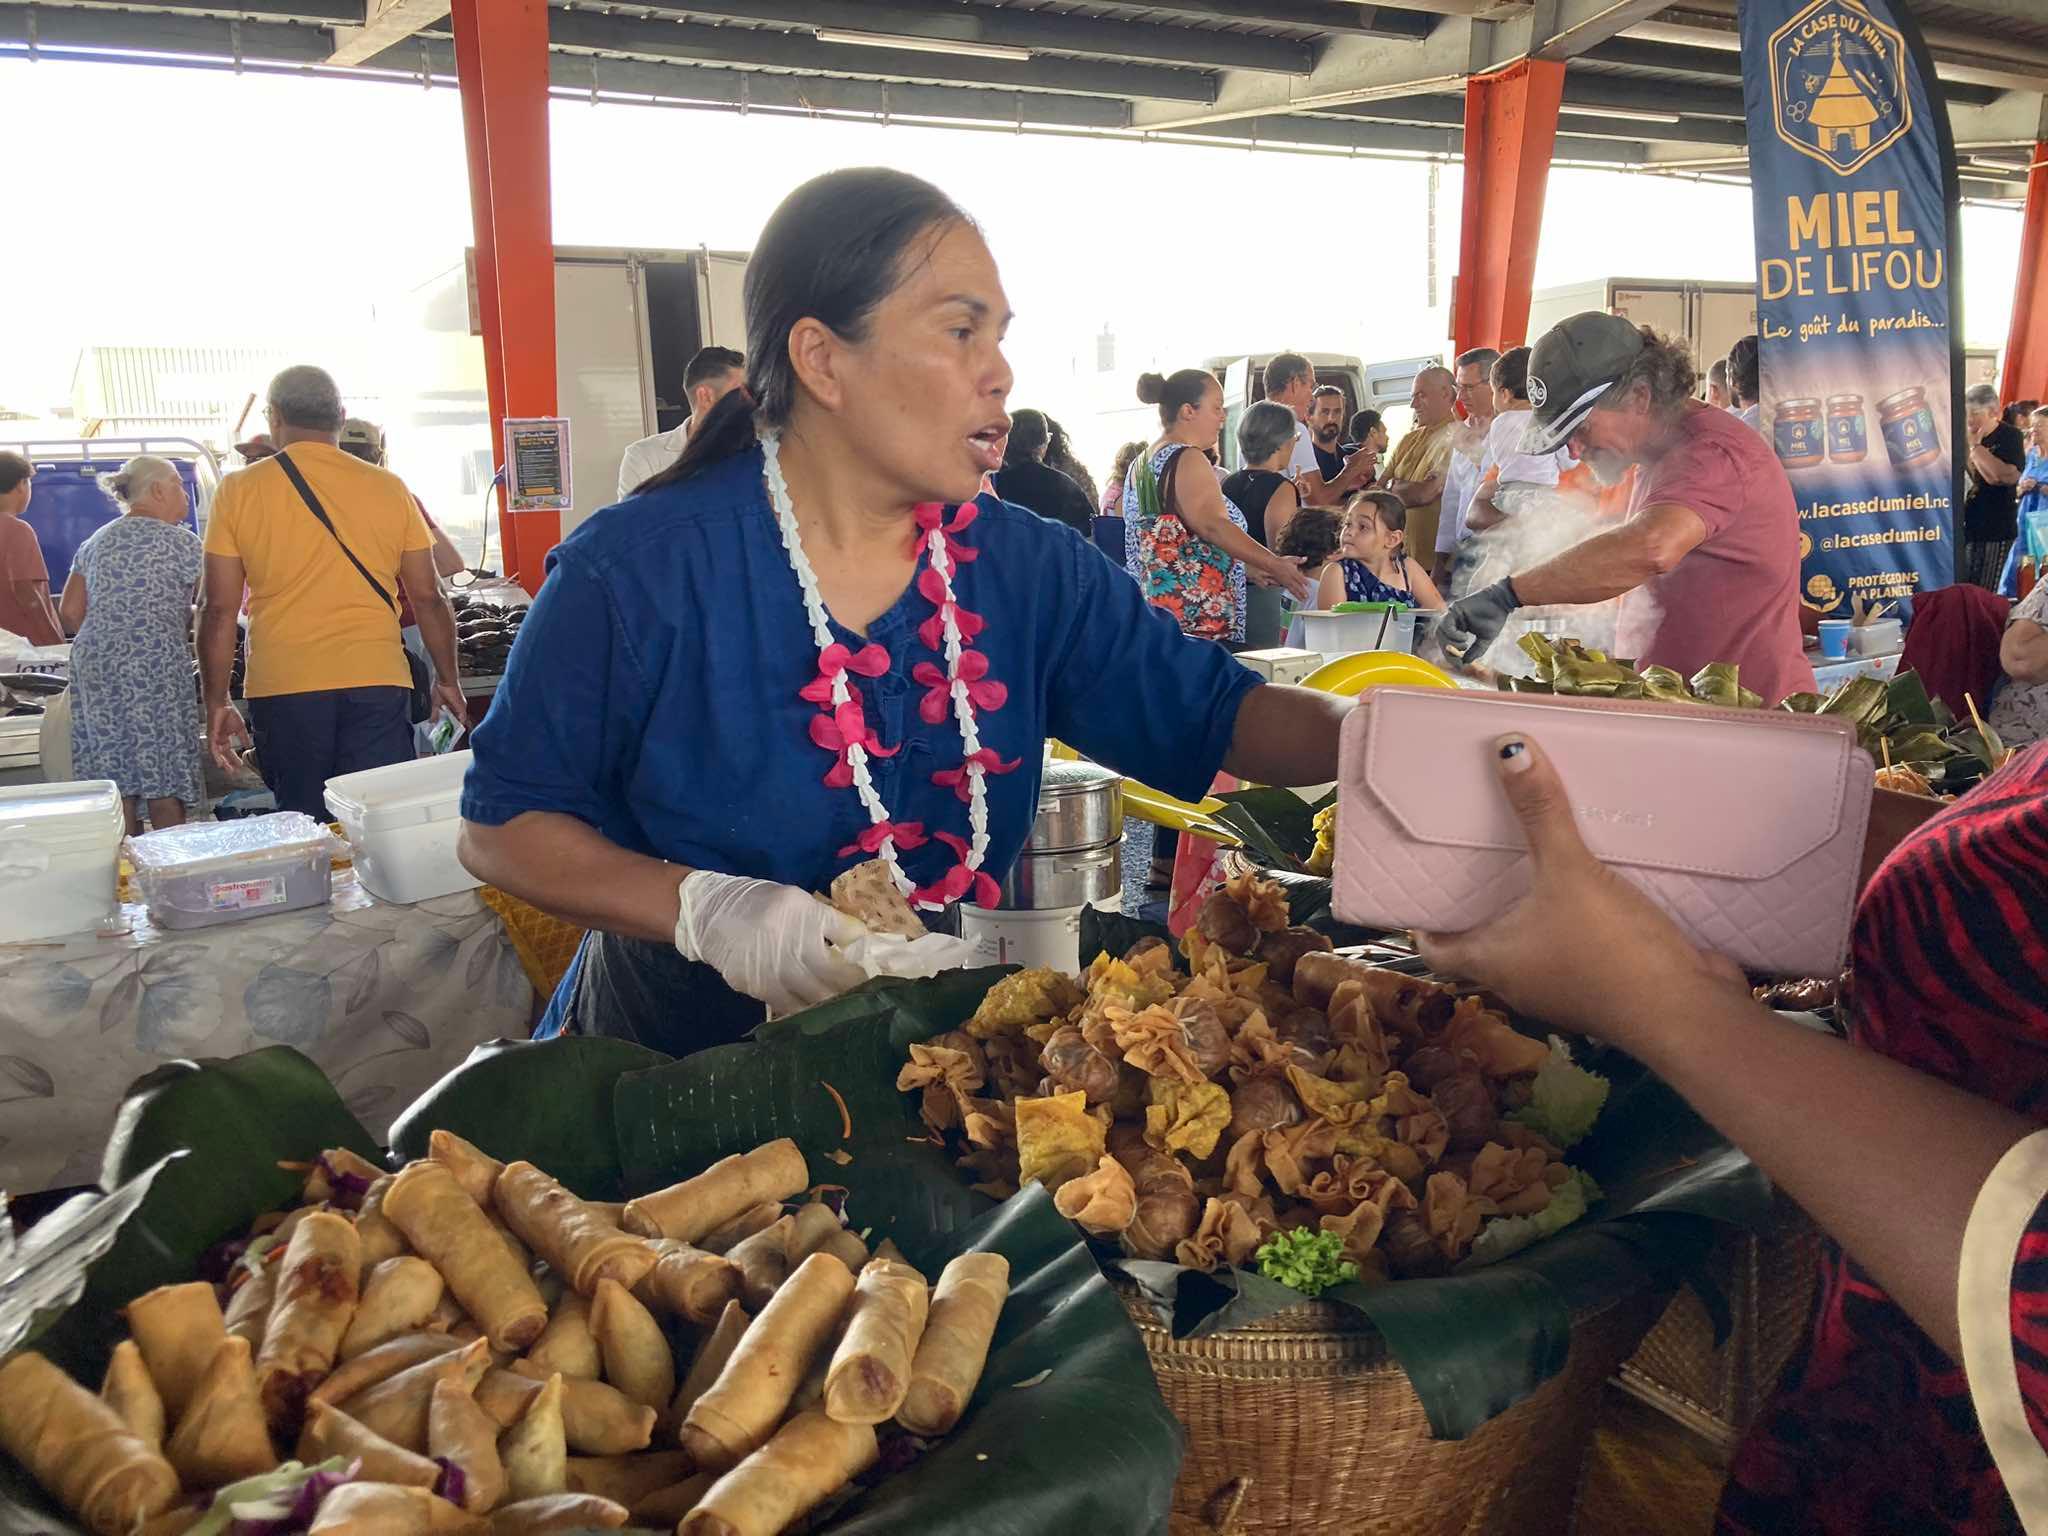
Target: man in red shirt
[(1709, 555), (24, 578)]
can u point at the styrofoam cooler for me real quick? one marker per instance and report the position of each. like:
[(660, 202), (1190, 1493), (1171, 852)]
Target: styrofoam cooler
[(1343, 634), (402, 823), (60, 858)]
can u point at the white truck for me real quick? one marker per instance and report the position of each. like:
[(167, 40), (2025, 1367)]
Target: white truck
[(1244, 384), (627, 322), (1710, 317)]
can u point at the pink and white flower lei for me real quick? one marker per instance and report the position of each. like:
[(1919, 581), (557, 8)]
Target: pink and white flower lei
[(841, 727)]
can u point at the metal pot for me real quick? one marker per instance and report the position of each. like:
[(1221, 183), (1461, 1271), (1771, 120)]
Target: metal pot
[(1080, 805), (1045, 882)]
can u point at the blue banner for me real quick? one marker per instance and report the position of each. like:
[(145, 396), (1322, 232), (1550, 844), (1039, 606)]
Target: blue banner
[(1853, 173)]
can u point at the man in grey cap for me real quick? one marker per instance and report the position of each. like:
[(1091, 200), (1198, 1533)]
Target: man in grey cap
[(1708, 557)]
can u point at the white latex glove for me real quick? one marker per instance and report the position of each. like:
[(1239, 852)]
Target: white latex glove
[(773, 942)]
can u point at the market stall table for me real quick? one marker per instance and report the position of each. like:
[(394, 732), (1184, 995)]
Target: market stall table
[(386, 999), (1829, 675)]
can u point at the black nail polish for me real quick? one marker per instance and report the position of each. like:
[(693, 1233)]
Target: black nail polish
[(1513, 749)]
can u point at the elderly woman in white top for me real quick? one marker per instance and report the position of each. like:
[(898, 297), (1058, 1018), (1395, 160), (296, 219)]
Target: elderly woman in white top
[(135, 705)]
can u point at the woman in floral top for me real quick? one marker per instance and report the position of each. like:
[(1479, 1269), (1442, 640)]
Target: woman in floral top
[(1187, 545)]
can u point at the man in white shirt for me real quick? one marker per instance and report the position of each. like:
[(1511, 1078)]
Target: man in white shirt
[(714, 373), (1468, 446), (1745, 381), (1291, 382)]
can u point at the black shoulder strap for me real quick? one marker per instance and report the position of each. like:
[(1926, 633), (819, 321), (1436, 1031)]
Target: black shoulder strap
[(291, 472)]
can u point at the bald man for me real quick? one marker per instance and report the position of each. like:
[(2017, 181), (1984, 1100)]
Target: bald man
[(1415, 473)]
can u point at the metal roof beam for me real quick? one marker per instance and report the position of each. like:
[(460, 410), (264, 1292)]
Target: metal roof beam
[(1351, 69), (696, 43), (1975, 58), (324, 13), (58, 26), (941, 20), (1322, 131), (1635, 52), (1449, 111), (1326, 15), (385, 23)]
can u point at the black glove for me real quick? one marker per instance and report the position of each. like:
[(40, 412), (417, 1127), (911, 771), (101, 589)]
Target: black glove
[(1474, 621)]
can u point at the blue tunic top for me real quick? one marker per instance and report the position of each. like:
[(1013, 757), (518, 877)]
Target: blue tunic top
[(652, 691)]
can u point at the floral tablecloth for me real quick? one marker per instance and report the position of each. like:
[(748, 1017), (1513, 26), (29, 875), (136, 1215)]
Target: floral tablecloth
[(385, 998)]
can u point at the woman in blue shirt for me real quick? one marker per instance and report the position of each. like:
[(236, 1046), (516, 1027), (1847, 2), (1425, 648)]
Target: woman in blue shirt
[(808, 644)]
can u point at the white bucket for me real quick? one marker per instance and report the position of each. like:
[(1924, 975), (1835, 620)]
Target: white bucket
[(1024, 938), (1343, 634), (60, 854), (402, 823)]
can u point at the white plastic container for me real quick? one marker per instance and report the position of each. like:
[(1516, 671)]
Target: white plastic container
[(60, 858), (402, 822), (1342, 634), (209, 872)]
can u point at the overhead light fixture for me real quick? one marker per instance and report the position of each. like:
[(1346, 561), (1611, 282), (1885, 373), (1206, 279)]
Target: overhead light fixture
[(927, 45), (2010, 167), (1627, 114)]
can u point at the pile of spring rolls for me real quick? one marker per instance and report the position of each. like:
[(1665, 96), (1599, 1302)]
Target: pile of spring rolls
[(483, 1351)]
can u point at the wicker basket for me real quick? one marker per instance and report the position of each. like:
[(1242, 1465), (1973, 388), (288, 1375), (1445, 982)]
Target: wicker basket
[(1303, 1424), (1769, 1280), (545, 945)]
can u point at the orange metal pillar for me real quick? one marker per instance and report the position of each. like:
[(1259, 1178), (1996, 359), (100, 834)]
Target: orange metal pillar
[(503, 69), (2026, 342), (1510, 130)]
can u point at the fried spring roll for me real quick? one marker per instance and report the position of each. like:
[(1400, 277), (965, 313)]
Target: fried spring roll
[(742, 1226), (732, 1185), (316, 1298), (474, 1169), (396, 1407), (665, 1506), (128, 1390), (558, 1512), (222, 1435), (713, 1350), (389, 1509), (448, 1229), (399, 1297), (381, 1363), (565, 1344), (848, 1249), (601, 1420), (504, 1395), (689, 1283), (79, 1449), (248, 1313), (870, 1373), (460, 1433), (763, 1262), (637, 1359), (535, 1451), (330, 1432), (579, 1245), (380, 1239), (812, 1226), (325, 1179), (965, 1308), (741, 1409), (627, 1479), (809, 1459), (613, 1211), (177, 1328)]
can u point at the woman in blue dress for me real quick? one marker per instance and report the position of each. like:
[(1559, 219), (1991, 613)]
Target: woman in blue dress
[(1374, 566), (811, 643), (128, 601)]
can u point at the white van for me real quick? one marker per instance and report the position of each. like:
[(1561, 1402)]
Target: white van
[(1244, 384)]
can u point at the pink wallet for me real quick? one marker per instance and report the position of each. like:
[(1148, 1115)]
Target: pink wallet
[(1746, 826)]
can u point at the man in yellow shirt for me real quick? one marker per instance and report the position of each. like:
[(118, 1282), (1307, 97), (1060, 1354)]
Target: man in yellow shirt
[(1416, 471), (327, 681)]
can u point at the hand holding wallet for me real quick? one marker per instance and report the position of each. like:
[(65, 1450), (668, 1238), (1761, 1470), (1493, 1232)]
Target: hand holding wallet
[(1745, 826)]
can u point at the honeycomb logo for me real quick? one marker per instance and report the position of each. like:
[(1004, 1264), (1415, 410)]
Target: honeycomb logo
[(1838, 85)]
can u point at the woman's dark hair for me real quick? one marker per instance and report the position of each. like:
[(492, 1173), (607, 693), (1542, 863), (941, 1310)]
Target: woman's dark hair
[(1176, 393), (1362, 423), (832, 252), (1028, 436), (1313, 535), (1511, 372), (1390, 509)]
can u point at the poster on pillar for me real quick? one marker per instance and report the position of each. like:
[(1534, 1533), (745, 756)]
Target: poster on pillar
[(1852, 172)]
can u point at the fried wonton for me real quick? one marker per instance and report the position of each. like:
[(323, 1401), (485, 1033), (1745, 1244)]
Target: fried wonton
[(1103, 1202), (1227, 1235), (947, 1076), (1023, 999), (1452, 1215), (1412, 1118), (1518, 1182), (1186, 1117), (1264, 902), (1057, 1139), (1292, 1154), (1500, 1050)]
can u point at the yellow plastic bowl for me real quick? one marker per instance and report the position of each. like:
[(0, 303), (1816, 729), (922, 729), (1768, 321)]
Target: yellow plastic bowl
[(1351, 675)]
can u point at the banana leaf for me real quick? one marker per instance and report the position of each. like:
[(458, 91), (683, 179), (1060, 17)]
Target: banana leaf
[(1067, 1429), (1906, 700), (1283, 818)]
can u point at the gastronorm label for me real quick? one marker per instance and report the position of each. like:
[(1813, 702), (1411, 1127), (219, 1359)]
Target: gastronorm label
[(241, 895)]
